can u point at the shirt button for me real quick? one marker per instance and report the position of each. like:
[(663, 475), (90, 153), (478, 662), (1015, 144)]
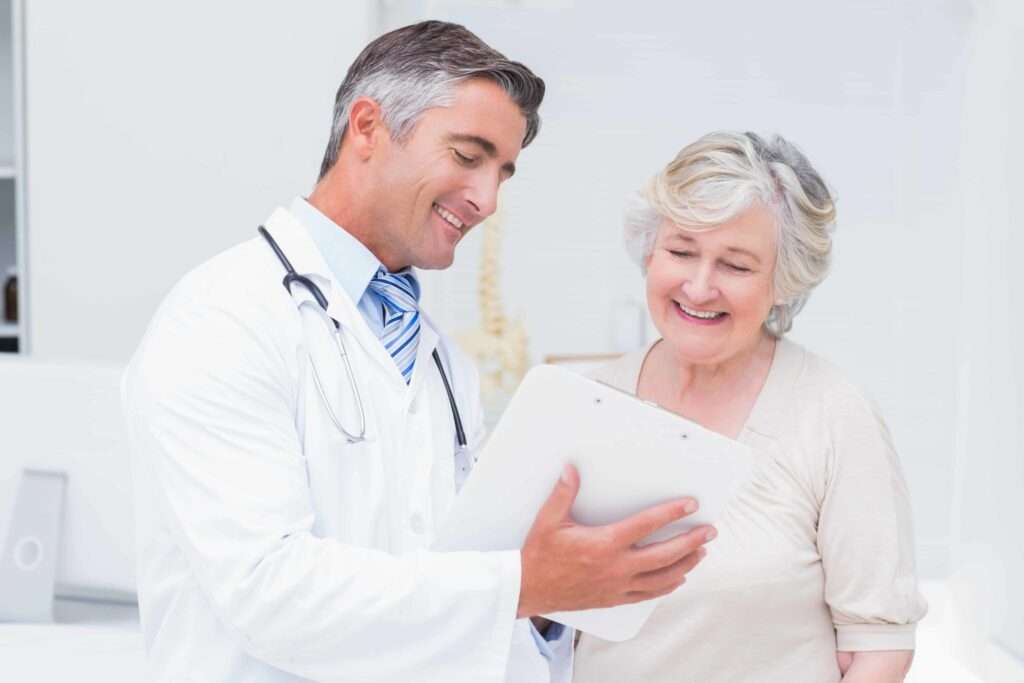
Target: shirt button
[(414, 406), (416, 524)]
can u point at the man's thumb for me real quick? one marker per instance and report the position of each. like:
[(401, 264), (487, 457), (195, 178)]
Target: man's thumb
[(561, 499)]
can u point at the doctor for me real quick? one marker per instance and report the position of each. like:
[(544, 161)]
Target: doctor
[(295, 448)]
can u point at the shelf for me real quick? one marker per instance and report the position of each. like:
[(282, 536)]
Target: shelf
[(12, 190)]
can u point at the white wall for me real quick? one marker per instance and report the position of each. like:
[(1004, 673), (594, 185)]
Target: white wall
[(988, 559), (159, 134), (870, 90)]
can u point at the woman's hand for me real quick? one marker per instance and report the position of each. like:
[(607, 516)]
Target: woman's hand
[(889, 666)]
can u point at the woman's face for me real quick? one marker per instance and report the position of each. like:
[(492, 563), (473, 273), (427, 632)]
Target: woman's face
[(710, 292)]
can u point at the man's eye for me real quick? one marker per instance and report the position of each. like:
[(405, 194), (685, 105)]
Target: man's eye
[(462, 158)]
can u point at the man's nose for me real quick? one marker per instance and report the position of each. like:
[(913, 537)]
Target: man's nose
[(483, 196)]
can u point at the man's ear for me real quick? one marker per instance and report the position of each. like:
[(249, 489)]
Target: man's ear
[(365, 127)]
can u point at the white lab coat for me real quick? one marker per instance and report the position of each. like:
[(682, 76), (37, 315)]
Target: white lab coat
[(270, 549)]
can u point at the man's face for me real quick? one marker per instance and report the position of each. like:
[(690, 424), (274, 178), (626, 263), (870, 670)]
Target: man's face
[(444, 178)]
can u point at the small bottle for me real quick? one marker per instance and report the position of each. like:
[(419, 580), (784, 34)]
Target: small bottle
[(11, 296)]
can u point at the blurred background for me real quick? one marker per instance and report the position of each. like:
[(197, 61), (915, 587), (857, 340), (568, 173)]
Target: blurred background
[(138, 139)]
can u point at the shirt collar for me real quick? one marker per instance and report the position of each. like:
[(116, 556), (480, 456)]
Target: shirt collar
[(351, 263)]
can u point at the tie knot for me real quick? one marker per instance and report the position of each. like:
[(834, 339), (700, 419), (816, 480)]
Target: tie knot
[(398, 291)]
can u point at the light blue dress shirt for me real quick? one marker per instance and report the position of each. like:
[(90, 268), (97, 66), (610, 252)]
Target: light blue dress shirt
[(351, 263), (353, 266)]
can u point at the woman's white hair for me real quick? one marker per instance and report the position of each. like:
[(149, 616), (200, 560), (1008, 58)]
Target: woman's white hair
[(720, 176)]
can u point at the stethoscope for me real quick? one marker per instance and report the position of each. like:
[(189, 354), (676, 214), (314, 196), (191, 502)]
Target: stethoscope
[(292, 278)]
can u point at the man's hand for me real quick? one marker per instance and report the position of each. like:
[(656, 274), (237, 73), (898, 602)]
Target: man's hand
[(567, 566)]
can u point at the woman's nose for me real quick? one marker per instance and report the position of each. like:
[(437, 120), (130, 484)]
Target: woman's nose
[(700, 287)]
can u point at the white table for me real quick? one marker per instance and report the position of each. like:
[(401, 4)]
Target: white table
[(89, 642)]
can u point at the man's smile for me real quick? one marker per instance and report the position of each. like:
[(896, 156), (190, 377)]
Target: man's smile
[(450, 217)]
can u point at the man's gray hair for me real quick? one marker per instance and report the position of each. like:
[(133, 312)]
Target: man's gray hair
[(414, 68), (720, 176)]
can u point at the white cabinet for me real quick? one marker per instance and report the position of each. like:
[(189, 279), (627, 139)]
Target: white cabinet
[(12, 233)]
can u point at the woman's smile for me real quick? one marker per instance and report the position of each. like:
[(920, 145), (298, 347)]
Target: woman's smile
[(699, 317)]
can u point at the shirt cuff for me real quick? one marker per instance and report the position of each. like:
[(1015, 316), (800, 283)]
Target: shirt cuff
[(874, 637), (546, 643), (556, 646)]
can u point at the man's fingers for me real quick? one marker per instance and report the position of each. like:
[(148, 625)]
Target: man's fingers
[(640, 596), (668, 578), (641, 525), (665, 553), (557, 506)]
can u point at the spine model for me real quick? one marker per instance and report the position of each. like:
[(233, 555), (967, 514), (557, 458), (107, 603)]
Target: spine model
[(499, 345)]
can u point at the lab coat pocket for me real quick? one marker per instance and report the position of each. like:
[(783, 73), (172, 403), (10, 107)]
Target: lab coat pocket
[(347, 480)]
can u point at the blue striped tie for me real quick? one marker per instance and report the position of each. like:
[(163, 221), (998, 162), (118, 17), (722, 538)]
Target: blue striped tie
[(400, 316)]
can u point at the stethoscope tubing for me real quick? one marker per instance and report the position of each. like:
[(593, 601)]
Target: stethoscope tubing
[(290, 278)]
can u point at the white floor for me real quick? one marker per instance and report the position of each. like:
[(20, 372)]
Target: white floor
[(96, 644), (933, 660), (92, 642)]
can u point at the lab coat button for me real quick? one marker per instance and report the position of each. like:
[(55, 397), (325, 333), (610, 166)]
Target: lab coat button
[(416, 524)]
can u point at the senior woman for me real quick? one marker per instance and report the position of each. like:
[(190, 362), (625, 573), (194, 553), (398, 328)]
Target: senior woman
[(811, 577)]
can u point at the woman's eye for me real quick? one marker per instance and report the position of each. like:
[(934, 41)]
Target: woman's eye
[(462, 158), (738, 269), (680, 254)]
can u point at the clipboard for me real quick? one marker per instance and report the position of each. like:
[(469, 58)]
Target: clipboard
[(630, 455)]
